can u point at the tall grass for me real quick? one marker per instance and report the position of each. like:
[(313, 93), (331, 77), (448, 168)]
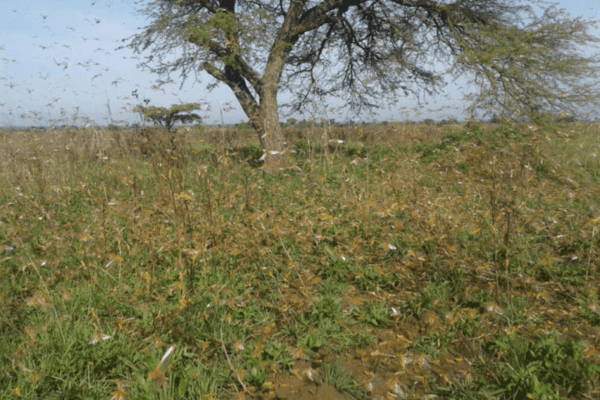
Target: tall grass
[(457, 261)]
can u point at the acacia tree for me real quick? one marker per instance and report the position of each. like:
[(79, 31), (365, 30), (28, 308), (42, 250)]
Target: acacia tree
[(368, 51), (162, 116)]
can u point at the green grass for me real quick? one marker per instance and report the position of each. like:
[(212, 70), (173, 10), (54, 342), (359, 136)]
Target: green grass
[(455, 261), (340, 377)]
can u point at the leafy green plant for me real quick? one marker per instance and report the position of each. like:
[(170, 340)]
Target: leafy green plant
[(542, 369), (374, 313), (470, 324), (279, 354), (514, 310), (340, 377), (435, 344)]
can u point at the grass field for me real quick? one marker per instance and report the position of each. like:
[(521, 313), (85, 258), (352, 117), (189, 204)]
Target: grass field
[(408, 262)]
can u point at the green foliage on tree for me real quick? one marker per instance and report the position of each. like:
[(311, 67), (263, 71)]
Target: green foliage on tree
[(167, 117)]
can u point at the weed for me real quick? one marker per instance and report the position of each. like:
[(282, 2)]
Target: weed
[(340, 377), (542, 369)]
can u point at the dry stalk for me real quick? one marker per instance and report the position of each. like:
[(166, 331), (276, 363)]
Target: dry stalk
[(295, 269), (230, 364), (587, 273), (47, 294)]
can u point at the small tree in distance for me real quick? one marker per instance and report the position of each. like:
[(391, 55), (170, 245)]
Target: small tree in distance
[(167, 117)]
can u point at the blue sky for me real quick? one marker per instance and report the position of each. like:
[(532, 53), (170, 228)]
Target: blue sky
[(58, 62)]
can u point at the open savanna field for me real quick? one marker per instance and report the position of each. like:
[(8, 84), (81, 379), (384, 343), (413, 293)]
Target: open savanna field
[(408, 262)]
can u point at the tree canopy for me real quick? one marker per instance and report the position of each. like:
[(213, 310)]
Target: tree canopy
[(369, 52), (162, 116)]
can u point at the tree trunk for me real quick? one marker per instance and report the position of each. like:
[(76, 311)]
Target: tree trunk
[(271, 134), (276, 157), (264, 117)]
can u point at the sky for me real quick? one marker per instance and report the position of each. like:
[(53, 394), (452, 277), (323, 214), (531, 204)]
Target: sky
[(59, 65)]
